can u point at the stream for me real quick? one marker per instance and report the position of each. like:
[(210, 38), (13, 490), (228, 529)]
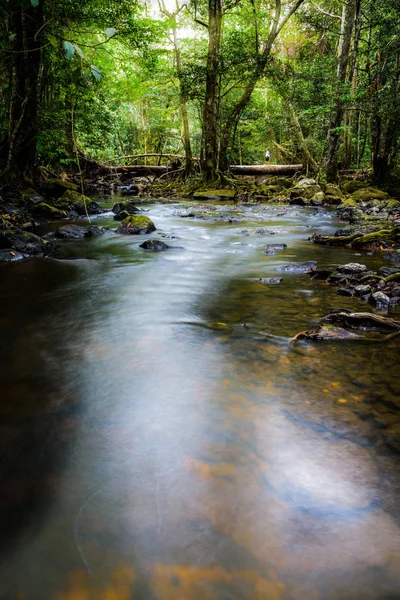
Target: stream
[(160, 439)]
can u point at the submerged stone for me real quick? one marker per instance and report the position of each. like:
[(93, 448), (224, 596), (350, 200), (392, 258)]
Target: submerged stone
[(154, 245), (304, 267), (271, 280)]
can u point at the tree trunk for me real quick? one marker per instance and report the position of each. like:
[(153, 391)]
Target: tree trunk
[(349, 116), (184, 111), (336, 120), (210, 113), (19, 147)]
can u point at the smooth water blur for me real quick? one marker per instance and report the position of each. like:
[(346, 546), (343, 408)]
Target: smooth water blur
[(162, 440)]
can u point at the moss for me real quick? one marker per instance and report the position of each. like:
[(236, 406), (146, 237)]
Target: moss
[(72, 200), (348, 202), (136, 225), (369, 193), (392, 204), (57, 187), (384, 235), (214, 194), (353, 185), (45, 210)]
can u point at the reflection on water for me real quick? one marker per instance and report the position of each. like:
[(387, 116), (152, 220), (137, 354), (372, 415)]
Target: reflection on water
[(160, 438)]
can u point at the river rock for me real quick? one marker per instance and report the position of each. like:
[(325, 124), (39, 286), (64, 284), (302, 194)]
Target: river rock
[(271, 280), (344, 292), (72, 200), (352, 269), (125, 206), (128, 190), (57, 187), (24, 242), (136, 225), (94, 208), (9, 255), (369, 193), (326, 333), (43, 210), (304, 267), (380, 300), (77, 232), (362, 289), (386, 271), (154, 245)]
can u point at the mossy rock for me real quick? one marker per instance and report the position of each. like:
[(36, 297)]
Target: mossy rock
[(378, 237), (284, 182), (346, 202), (269, 190), (23, 241), (352, 185), (57, 187), (214, 194), (125, 206), (30, 195), (392, 204), (369, 193), (72, 200), (135, 225), (46, 211), (333, 194)]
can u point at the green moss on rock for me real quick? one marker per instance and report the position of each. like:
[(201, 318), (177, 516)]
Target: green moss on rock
[(71, 200), (369, 193), (136, 225), (45, 210), (57, 187), (210, 194), (353, 185)]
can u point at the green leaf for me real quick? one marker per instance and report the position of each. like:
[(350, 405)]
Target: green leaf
[(35, 3), (53, 40), (110, 31), (12, 37), (69, 49), (96, 72), (79, 51)]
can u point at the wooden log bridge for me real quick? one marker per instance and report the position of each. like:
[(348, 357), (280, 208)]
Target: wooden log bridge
[(257, 170)]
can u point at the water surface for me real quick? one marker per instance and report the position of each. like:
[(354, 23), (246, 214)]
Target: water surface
[(162, 440)]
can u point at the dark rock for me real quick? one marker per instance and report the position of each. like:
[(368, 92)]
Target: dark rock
[(125, 206), (154, 245), (322, 274), (94, 208), (57, 187), (386, 271), (77, 232), (362, 289), (394, 301), (380, 300), (121, 215), (344, 292), (298, 201), (304, 267), (43, 210), (9, 255), (128, 190), (271, 280), (71, 232), (24, 242), (393, 256)]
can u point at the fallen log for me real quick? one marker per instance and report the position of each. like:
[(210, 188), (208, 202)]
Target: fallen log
[(260, 170)]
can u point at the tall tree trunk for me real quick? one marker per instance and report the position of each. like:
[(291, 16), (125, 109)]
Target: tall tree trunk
[(350, 115), (209, 163), (183, 106), (336, 120), (19, 147)]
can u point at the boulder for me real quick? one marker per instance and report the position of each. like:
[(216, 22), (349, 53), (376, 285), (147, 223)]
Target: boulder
[(333, 194), (369, 193), (76, 232), (326, 333), (380, 300), (154, 245), (136, 225), (57, 187), (24, 242), (352, 269), (71, 200), (45, 211), (128, 190), (352, 185), (125, 206)]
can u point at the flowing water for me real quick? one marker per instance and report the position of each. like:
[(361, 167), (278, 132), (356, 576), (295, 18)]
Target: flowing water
[(162, 440)]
